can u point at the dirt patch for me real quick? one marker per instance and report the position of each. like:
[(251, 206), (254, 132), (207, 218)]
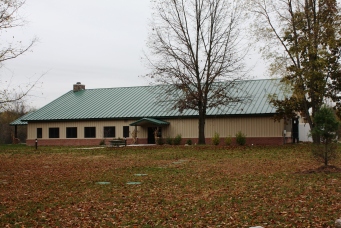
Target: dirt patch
[(322, 169)]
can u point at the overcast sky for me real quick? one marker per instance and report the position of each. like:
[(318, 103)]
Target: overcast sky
[(99, 43)]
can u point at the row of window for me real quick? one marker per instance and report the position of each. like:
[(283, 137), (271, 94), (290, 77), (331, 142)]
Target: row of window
[(89, 132)]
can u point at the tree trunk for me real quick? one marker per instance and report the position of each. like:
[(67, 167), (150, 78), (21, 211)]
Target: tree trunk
[(202, 117), (326, 154), (201, 139), (316, 139)]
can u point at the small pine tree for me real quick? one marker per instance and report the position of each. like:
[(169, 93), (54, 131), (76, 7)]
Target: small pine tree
[(325, 128), (169, 140), (177, 139), (228, 141), (240, 138), (216, 139)]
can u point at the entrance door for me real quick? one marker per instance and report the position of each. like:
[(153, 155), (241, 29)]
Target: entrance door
[(295, 134), (151, 137)]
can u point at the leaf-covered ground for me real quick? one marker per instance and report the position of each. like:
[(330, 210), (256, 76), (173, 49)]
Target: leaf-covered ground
[(197, 186)]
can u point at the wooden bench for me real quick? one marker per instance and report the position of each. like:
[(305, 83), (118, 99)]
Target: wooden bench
[(118, 142)]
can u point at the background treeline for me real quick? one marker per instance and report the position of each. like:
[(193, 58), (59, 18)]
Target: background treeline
[(6, 117)]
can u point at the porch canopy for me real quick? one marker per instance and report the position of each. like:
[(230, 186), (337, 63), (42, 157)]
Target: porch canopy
[(149, 122)]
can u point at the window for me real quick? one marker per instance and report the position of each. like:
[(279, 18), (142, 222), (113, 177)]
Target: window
[(125, 131), (54, 132), (109, 132), (71, 132), (39, 133), (89, 132)]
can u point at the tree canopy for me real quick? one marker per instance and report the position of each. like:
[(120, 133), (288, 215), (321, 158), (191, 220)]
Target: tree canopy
[(308, 33)]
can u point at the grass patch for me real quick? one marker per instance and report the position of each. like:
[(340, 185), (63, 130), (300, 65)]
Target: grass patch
[(185, 186)]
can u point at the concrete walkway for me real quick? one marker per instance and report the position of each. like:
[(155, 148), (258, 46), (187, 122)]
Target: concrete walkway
[(101, 147), (141, 145)]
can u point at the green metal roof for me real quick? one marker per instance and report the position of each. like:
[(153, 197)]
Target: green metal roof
[(20, 121), (153, 121), (144, 101)]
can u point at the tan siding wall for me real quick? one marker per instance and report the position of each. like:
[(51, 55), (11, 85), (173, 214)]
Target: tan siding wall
[(251, 126), (188, 128)]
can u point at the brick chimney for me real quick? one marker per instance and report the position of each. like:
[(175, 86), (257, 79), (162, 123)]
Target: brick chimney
[(78, 87)]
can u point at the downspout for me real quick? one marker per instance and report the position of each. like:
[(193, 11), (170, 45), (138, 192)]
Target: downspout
[(284, 130)]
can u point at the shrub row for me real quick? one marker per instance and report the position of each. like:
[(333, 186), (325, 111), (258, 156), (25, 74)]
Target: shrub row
[(240, 139), (171, 141)]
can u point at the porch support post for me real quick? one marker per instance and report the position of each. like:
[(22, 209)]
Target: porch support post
[(16, 131), (156, 135), (135, 134)]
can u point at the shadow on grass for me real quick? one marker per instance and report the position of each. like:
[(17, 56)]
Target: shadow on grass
[(322, 169)]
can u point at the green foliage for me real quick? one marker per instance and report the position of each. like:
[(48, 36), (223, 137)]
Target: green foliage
[(240, 138), (160, 141), (325, 129), (326, 124), (102, 142), (169, 140), (285, 108), (177, 139), (216, 139), (228, 141), (189, 142), (310, 41)]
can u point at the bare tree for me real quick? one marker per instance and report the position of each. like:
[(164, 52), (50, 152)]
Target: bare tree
[(10, 18), (195, 46)]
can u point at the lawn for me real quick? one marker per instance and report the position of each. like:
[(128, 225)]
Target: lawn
[(194, 186)]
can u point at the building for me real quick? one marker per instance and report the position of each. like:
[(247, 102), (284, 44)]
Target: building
[(88, 116)]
